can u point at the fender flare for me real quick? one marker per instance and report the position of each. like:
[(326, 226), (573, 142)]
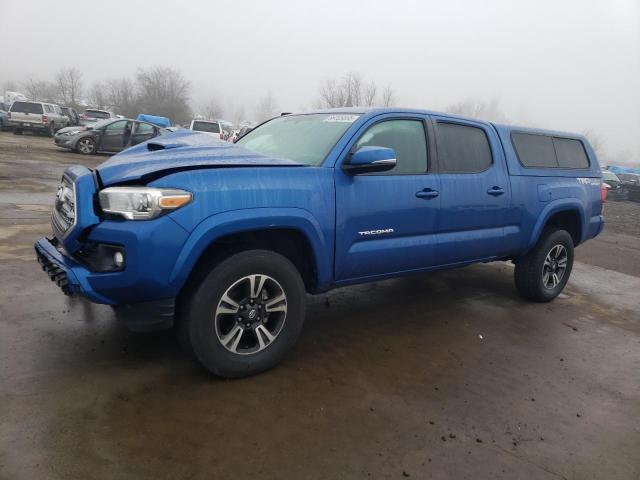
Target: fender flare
[(557, 206), (247, 220)]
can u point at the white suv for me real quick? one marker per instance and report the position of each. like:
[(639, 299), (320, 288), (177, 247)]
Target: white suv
[(36, 117)]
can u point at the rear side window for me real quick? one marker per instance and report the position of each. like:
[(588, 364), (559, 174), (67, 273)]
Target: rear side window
[(570, 153), (462, 149), (26, 107), (405, 137), (544, 151), (535, 150)]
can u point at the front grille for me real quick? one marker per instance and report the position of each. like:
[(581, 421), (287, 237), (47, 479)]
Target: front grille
[(64, 212)]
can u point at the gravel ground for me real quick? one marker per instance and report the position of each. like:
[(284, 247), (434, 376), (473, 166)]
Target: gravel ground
[(444, 375), (623, 217)]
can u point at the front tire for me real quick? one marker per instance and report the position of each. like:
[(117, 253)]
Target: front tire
[(543, 272), (86, 146), (245, 315)]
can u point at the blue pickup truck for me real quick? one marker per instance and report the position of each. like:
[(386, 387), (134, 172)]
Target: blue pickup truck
[(224, 240)]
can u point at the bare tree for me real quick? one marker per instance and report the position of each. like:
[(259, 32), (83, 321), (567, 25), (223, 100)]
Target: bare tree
[(351, 91), (267, 108), (69, 83), (370, 94), (97, 95), (388, 97), (9, 86), (479, 109), (238, 115), (120, 94), (212, 109), (164, 91), (39, 90)]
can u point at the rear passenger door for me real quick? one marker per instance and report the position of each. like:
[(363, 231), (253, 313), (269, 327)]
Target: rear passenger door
[(474, 191)]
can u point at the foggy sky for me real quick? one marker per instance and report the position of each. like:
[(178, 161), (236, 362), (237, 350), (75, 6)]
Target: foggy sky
[(564, 64)]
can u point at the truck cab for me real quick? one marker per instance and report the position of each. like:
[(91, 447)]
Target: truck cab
[(224, 240)]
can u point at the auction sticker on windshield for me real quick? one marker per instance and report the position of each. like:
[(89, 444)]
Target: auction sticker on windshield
[(341, 118)]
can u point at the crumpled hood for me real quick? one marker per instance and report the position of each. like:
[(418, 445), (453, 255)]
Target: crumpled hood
[(78, 128), (179, 150)]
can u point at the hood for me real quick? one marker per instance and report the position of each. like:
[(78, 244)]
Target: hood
[(77, 128), (180, 150)]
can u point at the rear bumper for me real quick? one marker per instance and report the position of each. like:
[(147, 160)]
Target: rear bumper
[(34, 127)]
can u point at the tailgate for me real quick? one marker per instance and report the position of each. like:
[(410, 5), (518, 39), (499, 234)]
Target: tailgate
[(31, 118)]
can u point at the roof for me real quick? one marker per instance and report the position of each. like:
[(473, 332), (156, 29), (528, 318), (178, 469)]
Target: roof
[(498, 126)]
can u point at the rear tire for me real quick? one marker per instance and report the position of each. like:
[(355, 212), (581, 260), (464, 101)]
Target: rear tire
[(543, 272), (52, 130), (245, 315)]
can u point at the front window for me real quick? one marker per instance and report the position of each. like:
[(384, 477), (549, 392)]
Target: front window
[(116, 127), (305, 139)]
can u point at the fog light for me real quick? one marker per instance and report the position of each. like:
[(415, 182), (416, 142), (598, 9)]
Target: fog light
[(118, 259)]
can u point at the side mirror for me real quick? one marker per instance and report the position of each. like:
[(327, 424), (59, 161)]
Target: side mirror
[(370, 159)]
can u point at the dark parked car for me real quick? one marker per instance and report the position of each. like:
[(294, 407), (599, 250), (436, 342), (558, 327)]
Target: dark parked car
[(631, 183), (72, 114), (4, 119), (616, 190), (113, 135)]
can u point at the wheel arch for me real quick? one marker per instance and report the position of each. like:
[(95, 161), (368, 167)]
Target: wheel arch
[(293, 233), (564, 213)]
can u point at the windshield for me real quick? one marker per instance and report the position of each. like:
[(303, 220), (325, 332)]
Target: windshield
[(610, 176), (210, 127), (304, 139), (101, 123)]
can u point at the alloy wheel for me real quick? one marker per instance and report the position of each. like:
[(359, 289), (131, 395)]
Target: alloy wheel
[(554, 266), (85, 146), (250, 315)]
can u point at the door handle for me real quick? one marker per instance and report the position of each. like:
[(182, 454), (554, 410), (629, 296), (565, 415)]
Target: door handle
[(427, 193), (495, 191)]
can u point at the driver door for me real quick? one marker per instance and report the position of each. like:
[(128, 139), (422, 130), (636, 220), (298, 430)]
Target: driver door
[(386, 222), (115, 136), (142, 132)]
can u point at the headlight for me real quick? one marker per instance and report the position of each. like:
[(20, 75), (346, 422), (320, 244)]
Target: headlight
[(141, 203), (74, 132)]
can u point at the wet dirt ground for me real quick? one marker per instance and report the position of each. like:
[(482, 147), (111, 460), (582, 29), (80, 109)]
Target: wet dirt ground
[(446, 375)]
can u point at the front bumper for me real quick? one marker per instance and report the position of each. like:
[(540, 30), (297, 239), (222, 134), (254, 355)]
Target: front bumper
[(68, 274), (73, 278), (64, 141)]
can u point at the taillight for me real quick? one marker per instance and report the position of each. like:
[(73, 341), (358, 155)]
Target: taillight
[(9, 115), (45, 119), (83, 116), (221, 136), (603, 192)]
